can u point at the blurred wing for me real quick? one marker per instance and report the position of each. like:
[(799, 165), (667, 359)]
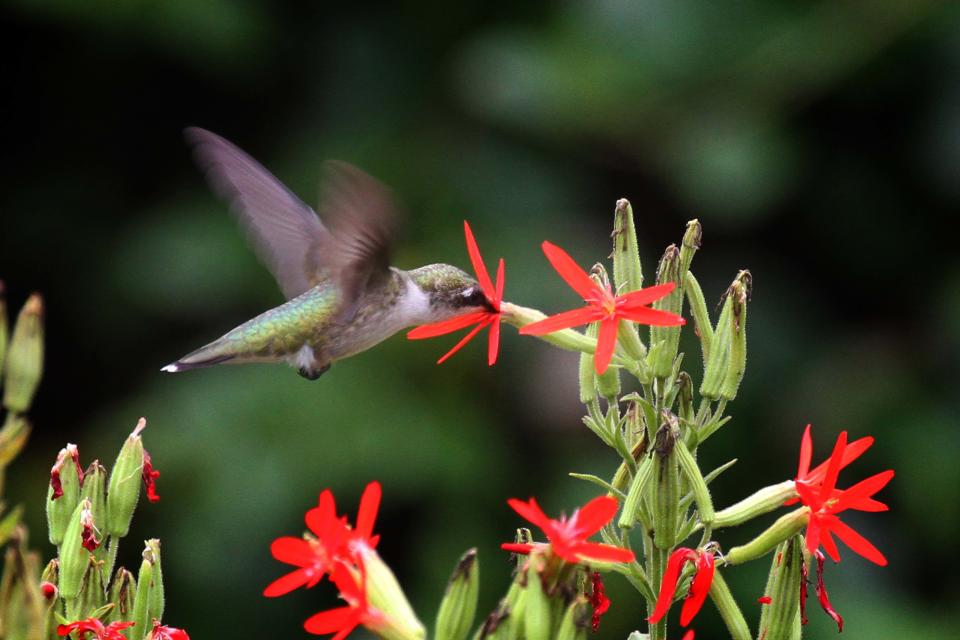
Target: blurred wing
[(285, 233), (363, 224)]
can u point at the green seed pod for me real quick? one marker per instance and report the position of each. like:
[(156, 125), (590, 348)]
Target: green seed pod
[(665, 340), (74, 558), (459, 605), (701, 318), (666, 485), (631, 506), (684, 387), (692, 238), (778, 617), (148, 603), (536, 616), (63, 495), (627, 271), (92, 592), (698, 486), (123, 588), (760, 502), (124, 489), (588, 377), (573, 624), (716, 367), (608, 383), (95, 490), (739, 293), (786, 526), (24, 359)]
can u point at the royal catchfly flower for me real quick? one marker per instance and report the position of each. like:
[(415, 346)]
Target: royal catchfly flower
[(602, 306), (699, 587), (333, 540), (95, 627), (161, 632), (487, 318), (825, 501), (568, 536), (342, 620), (851, 452)]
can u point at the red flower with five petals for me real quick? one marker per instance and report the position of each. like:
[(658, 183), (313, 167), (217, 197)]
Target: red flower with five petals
[(825, 501), (334, 540), (602, 306), (97, 628), (568, 536), (342, 620), (699, 587), (487, 318)]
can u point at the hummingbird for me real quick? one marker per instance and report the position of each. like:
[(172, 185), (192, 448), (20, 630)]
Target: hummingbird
[(342, 295)]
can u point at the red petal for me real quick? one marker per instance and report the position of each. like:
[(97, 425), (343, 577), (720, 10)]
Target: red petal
[(813, 534), (369, 505), (606, 344), (824, 598), (571, 272), (517, 547), (699, 588), (498, 294), (530, 511), (869, 504), (653, 317), (464, 340), (668, 586), (853, 451), (349, 589), (493, 342), (830, 545), (858, 543), (648, 295), (285, 584), (444, 327), (295, 551), (564, 320), (862, 491), (688, 635), (477, 261), (601, 552), (833, 467), (596, 513), (339, 619), (806, 453)]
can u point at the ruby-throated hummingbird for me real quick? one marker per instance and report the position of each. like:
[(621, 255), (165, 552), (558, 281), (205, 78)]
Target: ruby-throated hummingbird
[(343, 297)]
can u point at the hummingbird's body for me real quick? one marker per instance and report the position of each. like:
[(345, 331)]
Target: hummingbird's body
[(343, 296)]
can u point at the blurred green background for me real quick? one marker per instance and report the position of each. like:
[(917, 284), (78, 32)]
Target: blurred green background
[(818, 142)]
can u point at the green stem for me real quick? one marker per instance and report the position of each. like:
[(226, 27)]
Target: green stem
[(656, 564), (565, 338), (729, 611)]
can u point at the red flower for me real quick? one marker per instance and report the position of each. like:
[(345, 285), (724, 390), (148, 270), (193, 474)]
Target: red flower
[(826, 501), (852, 451), (568, 536), (161, 632), (482, 319), (699, 587), (150, 476), (335, 541), (97, 628), (598, 600), (602, 306), (342, 620)]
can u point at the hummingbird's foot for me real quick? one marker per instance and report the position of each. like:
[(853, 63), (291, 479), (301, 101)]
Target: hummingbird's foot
[(312, 374)]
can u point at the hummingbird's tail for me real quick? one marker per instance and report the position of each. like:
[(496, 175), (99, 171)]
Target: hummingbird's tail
[(203, 357)]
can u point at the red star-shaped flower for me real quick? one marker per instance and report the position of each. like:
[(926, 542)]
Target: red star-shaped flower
[(699, 587), (342, 620), (486, 318), (602, 306), (568, 536), (815, 477), (826, 501), (95, 627), (161, 632), (334, 541)]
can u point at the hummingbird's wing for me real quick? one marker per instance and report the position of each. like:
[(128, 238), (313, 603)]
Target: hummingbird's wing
[(363, 223), (286, 234)]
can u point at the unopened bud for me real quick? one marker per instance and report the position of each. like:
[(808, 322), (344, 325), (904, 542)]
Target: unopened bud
[(66, 476), (123, 588), (573, 625), (92, 598), (95, 490), (148, 603), (459, 605), (74, 557), (666, 478), (716, 368), (692, 238), (588, 377), (698, 309), (627, 271), (696, 482), (786, 526), (638, 487), (124, 488), (760, 502), (739, 293), (385, 594), (684, 386), (665, 340), (536, 616), (24, 359), (780, 616)]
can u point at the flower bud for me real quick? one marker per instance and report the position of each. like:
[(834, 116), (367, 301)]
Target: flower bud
[(716, 364), (124, 488), (588, 377), (763, 501), (781, 530), (573, 625), (92, 592), (665, 340), (692, 238), (64, 492), (698, 486), (631, 506), (698, 309), (95, 490), (666, 480), (779, 617), (123, 588), (627, 271), (739, 292), (536, 616), (684, 385), (385, 594), (148, 603), (24, 359), (74, 557), (459, 605)]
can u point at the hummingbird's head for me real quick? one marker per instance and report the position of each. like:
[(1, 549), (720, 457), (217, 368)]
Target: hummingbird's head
[(450, 291)]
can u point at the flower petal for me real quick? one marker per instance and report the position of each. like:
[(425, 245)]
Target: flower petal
[(530, 511), (648, 295), (295, 551), (862, 491), (592, 516), (564, 320), (517, 547), (601, 552), (858, 543), (830, 545), (498, 294), (668, 586), (332, 620), (699, 587), (285, 584), (464, 340), (571, 272), (853, 451), (833, 467), (652, 317), (477, 261), (493, 341), (369, 505), (606, 344), (444, 327), (806, 453)]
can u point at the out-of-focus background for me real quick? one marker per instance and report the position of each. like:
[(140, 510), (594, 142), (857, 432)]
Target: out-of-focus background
[(818, 142)]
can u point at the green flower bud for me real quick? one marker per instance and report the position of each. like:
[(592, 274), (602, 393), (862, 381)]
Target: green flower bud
[(24, 360), (536, 616), (684, 387), (92, 592), (631, 506), (124, 489), (63, 494), (385, 594), (666, 484), (573, 625), (459, 605), (74, 556), (701, 318), (95, 490), (716, 368), (739, 292), (698, 486), (13, 436), (123, 588), (692, 238), (779, 616), (665, 340), (763, 501), (588, 377), (786, 526), (627, 271), (148, 603)]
